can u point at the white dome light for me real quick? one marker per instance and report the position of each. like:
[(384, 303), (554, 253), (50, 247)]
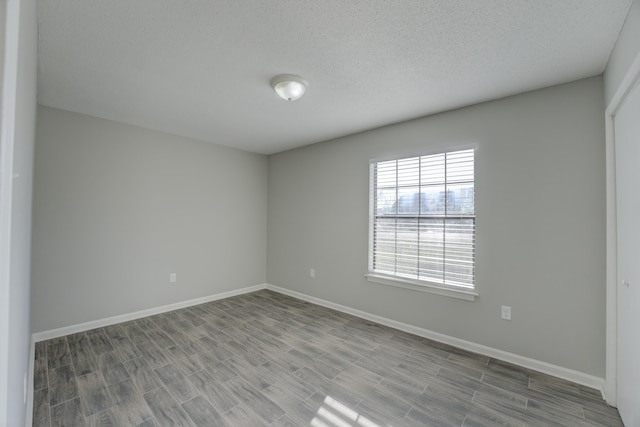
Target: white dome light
[(289, 86)]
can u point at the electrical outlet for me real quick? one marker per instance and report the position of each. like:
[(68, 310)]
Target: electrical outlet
[(506, 312), (312, 273), (173, 277)]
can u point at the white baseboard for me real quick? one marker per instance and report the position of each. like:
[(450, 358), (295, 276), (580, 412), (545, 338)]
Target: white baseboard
[(81, 327), (526, 362)]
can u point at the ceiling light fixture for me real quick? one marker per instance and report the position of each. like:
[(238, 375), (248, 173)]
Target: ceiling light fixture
[(289, 86)]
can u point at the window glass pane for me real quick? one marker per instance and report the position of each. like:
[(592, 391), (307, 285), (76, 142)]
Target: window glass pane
[(433, 200), (385, 245), (407, 247), (459, 250), (409, 172), (386, 201), (431, 266), (460, 166), (460, 199), (386, 174), (408, 202), (432, 169)]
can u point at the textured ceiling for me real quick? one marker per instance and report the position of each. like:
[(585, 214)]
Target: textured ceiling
[(201, 68)]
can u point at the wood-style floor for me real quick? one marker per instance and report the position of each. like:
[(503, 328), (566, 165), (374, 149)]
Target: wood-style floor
[(268, 359)]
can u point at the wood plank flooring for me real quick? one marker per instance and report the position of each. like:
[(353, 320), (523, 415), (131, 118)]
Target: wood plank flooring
[(265, 359)]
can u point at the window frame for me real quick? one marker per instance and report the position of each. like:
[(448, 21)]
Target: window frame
[(421, 285)]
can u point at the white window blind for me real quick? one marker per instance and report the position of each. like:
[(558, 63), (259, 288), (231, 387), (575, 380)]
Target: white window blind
[(422, 219)]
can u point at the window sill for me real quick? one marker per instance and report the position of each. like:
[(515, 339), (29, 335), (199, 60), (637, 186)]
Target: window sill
[(423, 287)]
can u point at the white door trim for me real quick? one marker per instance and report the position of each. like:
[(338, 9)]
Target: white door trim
[(9, 77), (631, 79)]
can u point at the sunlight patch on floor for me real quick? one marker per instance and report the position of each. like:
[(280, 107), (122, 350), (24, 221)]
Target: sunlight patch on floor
[(335, 414)]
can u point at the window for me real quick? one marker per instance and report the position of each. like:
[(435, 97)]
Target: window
[(422, 221)]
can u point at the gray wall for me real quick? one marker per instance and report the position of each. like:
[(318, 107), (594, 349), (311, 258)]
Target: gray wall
[(18, 127), (624, 53), (3, 28), (540, 188), (117, 208)]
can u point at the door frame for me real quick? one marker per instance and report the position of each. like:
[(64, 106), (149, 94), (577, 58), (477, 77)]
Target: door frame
[(9, 77), (631, 79)]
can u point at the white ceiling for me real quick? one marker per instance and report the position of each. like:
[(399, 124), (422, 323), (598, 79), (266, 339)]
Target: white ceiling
[(201, 68)]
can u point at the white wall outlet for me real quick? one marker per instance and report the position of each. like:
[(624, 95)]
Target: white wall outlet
[(173, 277), (505, 312), (312, 273)]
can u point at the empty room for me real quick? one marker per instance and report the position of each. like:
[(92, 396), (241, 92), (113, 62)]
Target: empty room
[(307, 213)]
